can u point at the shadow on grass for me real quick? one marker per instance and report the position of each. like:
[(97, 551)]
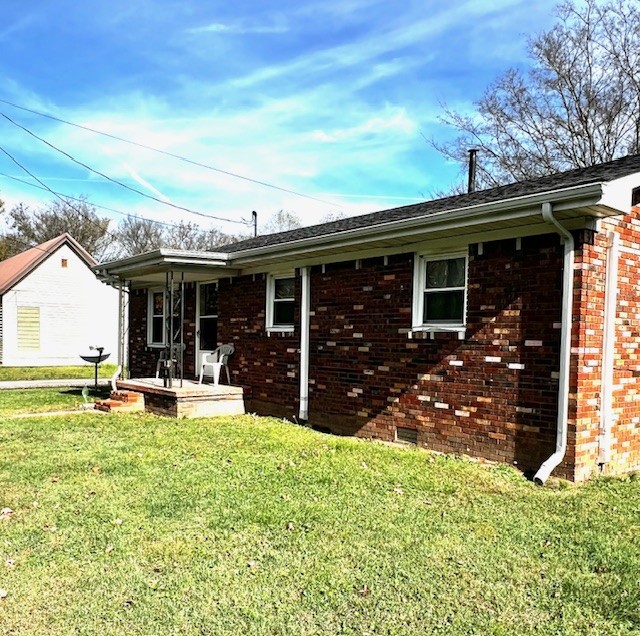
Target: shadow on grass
[(101, 393)]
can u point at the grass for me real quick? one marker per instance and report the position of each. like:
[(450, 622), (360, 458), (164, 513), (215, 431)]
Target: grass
[(14, 402), (143, 525), (80, 372)]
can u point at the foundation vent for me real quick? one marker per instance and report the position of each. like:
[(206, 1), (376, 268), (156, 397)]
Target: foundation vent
[(406, 435)]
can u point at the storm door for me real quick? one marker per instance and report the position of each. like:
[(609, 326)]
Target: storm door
[(207, 331)]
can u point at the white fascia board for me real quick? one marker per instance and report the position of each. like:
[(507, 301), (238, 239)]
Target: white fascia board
[(617, 193), (580, 197), (162, 257)]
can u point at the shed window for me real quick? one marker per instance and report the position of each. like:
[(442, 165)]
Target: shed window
[(29, 328)]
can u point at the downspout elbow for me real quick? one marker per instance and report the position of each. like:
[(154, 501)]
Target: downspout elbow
[(552, 462)]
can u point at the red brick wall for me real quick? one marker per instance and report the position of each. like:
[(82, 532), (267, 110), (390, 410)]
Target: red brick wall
[(267, 365), (493, 394), (586, 398)]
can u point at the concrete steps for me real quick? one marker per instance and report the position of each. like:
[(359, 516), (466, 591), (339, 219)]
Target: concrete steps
[(122, 402)]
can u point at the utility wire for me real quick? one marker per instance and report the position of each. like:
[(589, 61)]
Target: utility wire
[(94, 205), (112, 180), (55, 194), (171, 154)]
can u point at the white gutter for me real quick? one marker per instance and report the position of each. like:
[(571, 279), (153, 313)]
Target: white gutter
[(305, 307), (554, 460), (608, 348)]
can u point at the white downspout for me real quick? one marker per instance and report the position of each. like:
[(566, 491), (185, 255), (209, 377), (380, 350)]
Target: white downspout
[(305, 308), (120, 360), (554, 460), (608, 348)]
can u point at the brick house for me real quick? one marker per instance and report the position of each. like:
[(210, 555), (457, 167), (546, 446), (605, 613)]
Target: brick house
[(503, 324)]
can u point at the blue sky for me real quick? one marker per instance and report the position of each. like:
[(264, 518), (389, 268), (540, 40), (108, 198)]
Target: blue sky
[(331, 99)]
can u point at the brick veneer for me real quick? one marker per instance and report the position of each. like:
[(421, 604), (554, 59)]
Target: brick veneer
[(492, 394), (589, 300)]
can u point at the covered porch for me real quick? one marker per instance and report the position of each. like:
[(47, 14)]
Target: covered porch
[(168, 324)]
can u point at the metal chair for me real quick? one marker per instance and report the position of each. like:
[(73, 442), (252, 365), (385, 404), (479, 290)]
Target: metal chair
[(172, 353), (215, 361)]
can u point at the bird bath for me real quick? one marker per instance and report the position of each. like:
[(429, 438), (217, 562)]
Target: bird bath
[(95, 359)]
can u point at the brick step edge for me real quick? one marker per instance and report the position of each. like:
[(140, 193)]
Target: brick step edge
[(116, 406), (130, 397)]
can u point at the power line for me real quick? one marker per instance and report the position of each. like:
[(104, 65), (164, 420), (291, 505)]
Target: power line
[(55, 194), (94, 205), (171, 154), (112, 180)]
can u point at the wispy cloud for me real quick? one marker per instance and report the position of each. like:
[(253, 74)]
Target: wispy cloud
[(239, 29)]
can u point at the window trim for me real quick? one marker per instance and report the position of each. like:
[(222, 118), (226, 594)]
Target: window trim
[(150, 316), (419, 290), (271, 299)]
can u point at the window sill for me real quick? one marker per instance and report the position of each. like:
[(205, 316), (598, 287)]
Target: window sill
[(283, 330), (155, 345), (431, 330)]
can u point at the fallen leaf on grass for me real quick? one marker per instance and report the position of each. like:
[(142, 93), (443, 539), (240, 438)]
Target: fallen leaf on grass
[(290, 526), (364, 466), (96, 469), (3, 593), (10, 563), (5, 513), (364, 591), (118, 522), (398, 491), (55, 479)]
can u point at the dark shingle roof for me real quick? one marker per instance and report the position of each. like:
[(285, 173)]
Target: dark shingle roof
[(580, 176)]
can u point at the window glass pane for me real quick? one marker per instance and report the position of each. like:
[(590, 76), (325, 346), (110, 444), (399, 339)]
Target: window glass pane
[(283, 313), (157, 329), (208, 334), (446, 306), (445, 273), (208, 300), (158, 302), (284, 287), (436, 274), (455, 272)]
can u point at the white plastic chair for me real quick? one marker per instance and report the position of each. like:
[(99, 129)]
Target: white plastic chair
[(215, 361)]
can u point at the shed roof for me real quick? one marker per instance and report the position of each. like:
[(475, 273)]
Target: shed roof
[(14, 269)]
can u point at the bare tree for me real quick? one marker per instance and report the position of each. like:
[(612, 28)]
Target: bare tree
[(281, 221), (28, 228), (135, 235), (577, 105)]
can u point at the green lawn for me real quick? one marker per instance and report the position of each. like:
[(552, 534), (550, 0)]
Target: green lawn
[(81, 372), (151, 526), (14, 402)]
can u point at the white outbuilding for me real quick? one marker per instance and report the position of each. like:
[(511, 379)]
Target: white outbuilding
[(53, 308)]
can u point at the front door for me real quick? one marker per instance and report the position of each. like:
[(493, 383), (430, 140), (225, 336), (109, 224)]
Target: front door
[(207, 331)]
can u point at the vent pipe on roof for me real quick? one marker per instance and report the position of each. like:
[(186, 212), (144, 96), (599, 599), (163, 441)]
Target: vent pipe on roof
[(471, 184)]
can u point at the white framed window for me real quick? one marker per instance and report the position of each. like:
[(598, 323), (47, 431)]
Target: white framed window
[(280, 302), (155, 318), (440, 292)]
